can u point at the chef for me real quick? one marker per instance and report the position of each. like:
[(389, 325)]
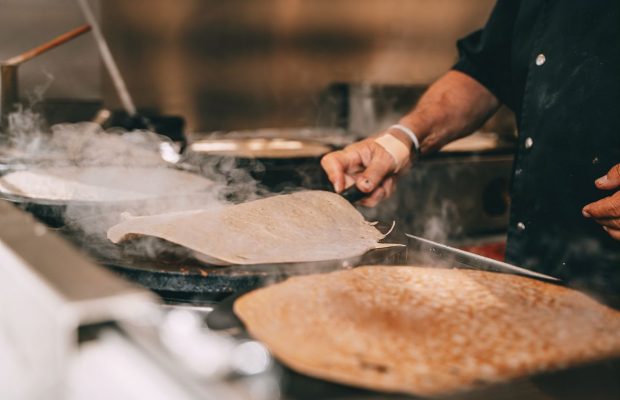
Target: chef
[(556, 64)]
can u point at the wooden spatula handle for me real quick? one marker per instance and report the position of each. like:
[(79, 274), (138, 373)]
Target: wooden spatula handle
[(48, 46)]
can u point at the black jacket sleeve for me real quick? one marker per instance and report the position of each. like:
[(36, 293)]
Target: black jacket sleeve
[(485, 55)]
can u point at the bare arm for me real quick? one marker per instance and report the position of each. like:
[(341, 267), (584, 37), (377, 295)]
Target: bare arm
[(453, 107)]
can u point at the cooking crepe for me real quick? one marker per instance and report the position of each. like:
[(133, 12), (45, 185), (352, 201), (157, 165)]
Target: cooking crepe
[(426, 331), (299, 227), (101, 183)]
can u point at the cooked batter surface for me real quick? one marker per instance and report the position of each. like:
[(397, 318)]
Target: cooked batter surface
[(299, 227), (427, 331)]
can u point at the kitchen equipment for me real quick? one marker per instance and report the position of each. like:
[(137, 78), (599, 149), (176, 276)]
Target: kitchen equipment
[(47, 291), (169, 125), (70, 327), (108, 61), (261, 148), (9, 93), (353, 194), (54, 213), (177, 273), (596, 380), (472, 260), (456, 197), (276, 158)]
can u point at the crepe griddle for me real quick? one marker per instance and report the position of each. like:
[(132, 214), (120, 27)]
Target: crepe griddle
[(177, 274), (48, 211), (53, 212), (597, 380)]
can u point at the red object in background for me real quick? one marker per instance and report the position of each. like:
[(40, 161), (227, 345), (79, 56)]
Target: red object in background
[(496, 251)]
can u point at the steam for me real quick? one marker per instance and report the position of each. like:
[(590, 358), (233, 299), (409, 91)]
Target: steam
[(36, 95), (82, 144), (29, 144), (22, 121)]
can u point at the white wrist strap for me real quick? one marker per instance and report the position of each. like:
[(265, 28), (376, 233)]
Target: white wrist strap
[(409, 132)]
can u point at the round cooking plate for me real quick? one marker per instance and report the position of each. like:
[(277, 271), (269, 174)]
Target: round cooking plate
[(53, 211), (262, 148), (174, 271)]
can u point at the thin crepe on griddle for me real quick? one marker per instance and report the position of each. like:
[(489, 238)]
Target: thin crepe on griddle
[(101, 183), (427, 331), (300, 227)]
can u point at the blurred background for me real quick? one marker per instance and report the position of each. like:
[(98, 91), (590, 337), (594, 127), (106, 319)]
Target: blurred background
[(343, 68), (236, 64)]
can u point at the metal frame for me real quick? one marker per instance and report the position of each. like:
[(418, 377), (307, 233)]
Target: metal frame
[(47, 291)]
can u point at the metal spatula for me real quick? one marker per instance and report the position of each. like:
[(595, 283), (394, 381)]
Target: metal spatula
[(473, 260)]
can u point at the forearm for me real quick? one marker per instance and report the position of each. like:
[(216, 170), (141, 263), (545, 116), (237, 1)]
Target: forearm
[(454, 106), (451, 108)]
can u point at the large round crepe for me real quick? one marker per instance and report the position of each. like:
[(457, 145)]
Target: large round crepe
[(426, 331), (101, 183), (299, 227)]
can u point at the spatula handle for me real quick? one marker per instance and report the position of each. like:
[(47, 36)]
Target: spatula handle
[(353, 194)]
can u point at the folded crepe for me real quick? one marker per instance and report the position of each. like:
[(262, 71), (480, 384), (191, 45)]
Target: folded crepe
[(427, 331), (299, 227)]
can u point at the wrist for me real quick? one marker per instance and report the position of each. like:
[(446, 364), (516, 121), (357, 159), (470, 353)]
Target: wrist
[(402, 136), (407, 136)]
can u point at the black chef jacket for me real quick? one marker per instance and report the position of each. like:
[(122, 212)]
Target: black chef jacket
[(556, 63)]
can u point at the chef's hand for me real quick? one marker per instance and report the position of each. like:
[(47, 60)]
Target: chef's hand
[(607, 211), (368, 165)]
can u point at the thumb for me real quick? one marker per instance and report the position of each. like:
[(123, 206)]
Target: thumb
[(380, 166), (611, 180)]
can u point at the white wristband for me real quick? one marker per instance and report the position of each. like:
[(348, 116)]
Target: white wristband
[(409, 132)]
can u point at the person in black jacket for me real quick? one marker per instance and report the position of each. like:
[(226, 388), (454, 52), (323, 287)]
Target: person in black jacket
[(556, 64)]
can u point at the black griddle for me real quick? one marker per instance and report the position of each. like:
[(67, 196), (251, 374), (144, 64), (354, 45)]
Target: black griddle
[(592, 381), (176, 274)]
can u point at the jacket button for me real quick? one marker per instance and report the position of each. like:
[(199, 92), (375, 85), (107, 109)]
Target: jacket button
[(529, 142), (520, 227), (540, 59)]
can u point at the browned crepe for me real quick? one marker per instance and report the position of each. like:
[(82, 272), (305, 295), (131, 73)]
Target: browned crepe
[(298, 227), (426, 331)]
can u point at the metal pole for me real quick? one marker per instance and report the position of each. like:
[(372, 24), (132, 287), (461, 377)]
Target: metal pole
[(9, 93), (108, 59)]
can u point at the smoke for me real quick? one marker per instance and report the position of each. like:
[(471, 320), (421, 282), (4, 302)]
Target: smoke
[(36, 95), (123, 166), (82, 144), (438, 226), (24, 122), (87, 146)]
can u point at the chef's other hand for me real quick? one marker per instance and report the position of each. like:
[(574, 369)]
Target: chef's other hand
[(366, 164), (607, 211)]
